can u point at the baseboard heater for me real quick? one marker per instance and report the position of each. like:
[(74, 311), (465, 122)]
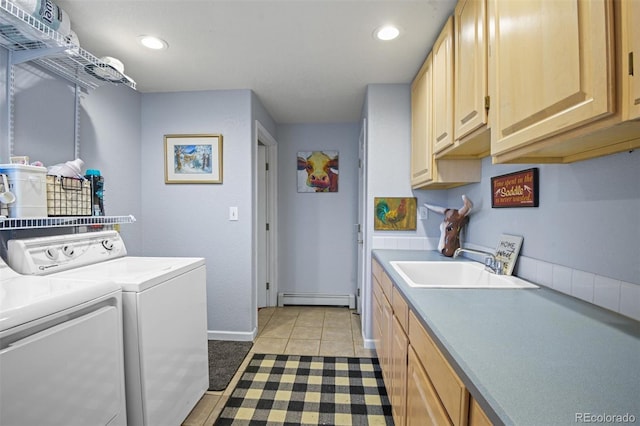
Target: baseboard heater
[(317, 299)]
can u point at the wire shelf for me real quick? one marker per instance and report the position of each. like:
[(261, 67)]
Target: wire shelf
[(60, 222), (31, 40)]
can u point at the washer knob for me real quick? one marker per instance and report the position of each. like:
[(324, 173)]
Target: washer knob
[(107, 244), (51, 253), (68, 251)]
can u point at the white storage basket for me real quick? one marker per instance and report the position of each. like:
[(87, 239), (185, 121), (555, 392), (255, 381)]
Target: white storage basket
[(29, 186)]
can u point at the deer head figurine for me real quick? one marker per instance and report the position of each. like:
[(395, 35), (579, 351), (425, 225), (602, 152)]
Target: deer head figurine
[(454, 221)]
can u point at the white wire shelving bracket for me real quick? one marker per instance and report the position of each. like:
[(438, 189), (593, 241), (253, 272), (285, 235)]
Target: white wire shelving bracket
[(31, 40), (7, 224)]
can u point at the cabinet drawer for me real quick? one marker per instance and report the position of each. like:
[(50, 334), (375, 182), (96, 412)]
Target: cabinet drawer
[(376, 269), (451, 390), (387, 285), (377, 291), (423, 406), (400, 309)]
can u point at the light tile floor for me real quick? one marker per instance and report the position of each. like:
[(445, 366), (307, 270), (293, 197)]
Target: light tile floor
[(292, 330)]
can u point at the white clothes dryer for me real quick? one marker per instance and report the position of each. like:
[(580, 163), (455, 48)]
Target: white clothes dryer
[(164, 316), (61, 351)]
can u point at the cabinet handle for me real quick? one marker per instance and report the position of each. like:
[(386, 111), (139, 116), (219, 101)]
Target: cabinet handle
[(630, 63)]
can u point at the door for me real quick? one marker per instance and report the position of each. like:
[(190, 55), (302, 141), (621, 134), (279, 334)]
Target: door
[(263, 234), (360, 226)]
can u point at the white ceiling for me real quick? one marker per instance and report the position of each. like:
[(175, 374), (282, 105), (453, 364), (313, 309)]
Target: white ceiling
[(308, 61)]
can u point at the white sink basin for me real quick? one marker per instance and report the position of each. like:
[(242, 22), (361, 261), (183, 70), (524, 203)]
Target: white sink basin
[(455, 275)]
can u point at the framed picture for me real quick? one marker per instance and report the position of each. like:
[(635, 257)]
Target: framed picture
[(317, 171), (193, 158), (394, 213), (519, 189)]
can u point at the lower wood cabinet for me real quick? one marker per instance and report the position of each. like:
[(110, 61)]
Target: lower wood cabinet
[(422, 386), (423, 404), (398, 392), (477, 417), (451, 391)]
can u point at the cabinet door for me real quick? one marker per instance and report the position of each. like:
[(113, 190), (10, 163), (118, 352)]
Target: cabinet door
[(553, 64), (421, 155), (385, 340), (470, 67), (477, 416), (398, 353), (443, 88), (631, 36), (423, 405)]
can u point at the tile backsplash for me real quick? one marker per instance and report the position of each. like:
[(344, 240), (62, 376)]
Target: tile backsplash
[(615, 295)]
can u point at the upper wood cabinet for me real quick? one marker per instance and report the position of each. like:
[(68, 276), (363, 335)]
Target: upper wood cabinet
[(432, 122), (555, 97), (472, 138), (443, 88), (630, 39), (421, 155)]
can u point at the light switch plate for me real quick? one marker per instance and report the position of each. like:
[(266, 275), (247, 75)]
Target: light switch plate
[(233, 213), (423, 213)]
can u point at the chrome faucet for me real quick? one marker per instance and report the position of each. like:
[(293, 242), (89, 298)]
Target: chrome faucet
[(491, 264)]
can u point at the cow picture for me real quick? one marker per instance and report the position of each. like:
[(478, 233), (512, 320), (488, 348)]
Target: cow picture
[(318, 171)]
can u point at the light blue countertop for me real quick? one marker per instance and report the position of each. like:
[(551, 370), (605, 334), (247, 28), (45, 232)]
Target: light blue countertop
[(531, 356)]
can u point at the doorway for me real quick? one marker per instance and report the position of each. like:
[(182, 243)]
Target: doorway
[(266, 219)]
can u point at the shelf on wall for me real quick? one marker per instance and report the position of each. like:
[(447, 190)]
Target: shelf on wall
[(60, 222), (30, 40)]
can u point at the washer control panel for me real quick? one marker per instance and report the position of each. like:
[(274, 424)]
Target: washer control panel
[(46, 255)]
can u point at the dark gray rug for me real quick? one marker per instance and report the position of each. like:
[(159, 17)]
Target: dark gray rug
[(225, 357)]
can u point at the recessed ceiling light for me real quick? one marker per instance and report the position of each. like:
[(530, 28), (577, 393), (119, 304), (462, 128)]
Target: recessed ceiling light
[(386, 33), (152, 42)]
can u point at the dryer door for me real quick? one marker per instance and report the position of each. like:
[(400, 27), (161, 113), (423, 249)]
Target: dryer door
[(68, 374)]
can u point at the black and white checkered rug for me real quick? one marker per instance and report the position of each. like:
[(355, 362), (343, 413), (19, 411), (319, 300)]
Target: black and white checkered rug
[(308, 390)]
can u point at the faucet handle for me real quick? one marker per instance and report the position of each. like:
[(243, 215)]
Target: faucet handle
[(498, 267)]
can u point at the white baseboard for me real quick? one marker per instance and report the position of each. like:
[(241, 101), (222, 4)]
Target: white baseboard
[(237, 336), (317, 299), (369, 344)]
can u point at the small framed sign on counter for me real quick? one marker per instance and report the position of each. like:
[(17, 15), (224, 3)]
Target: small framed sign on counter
[(519, 189), (507, 251)]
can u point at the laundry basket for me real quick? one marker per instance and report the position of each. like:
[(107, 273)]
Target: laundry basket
[(68, 196), (27, 183)]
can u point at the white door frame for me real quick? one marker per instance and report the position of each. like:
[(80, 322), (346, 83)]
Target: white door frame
[(362, 219), (263, 136)]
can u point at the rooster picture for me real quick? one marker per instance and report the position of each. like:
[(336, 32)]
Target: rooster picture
[(392, 218)]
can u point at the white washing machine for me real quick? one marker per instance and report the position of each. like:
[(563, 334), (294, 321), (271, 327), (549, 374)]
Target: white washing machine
[(164, 316), (61, 351)]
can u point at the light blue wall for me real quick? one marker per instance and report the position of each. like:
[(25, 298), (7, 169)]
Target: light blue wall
[(317, 236), (588, 219), (387, 111), (193, 219), (109, 134)]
